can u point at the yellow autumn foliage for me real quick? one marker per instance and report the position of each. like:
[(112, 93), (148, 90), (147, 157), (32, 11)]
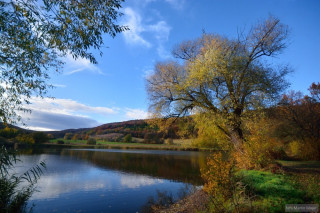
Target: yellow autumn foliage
[(260, 147), (218, 176)]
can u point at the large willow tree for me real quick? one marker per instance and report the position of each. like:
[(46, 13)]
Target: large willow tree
[(36, 34), (221, 76)]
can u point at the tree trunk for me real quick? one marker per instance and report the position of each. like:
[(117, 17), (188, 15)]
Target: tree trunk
[(237, 138), (236, 132)]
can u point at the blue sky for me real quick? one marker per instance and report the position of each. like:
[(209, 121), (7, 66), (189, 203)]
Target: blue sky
[(87, 95)]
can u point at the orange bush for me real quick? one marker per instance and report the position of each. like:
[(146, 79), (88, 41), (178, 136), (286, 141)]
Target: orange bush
[(218, 175)]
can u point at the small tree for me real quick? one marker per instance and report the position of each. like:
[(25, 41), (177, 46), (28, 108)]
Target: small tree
[(76, 137), (152, 138), (50, 136), (68, 136), (39, 137), (91, 141), (127, 138)]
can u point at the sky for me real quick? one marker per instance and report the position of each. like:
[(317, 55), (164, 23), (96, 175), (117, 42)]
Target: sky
[(88, 95)]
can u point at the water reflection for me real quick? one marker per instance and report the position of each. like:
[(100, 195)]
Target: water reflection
[(109, 180)]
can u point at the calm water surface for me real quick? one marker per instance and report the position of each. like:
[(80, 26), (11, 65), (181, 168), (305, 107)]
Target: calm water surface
[(110, 180)]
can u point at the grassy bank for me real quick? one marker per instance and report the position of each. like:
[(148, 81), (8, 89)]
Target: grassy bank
[(298, 183), (177, 145)]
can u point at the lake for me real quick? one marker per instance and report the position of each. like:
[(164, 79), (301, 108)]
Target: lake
[(111, 180)]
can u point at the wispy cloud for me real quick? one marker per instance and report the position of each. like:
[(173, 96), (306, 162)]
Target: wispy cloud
[(78, 65), (177, 4), (161, 31), (136, 114), (158, 32), (66, 106), (59, 85), (134, 22)]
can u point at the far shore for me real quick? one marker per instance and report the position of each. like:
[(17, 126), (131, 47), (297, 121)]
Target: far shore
[(129, 146)]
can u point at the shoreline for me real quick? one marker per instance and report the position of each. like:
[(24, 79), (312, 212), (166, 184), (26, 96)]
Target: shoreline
[(128, 146), (192, 203)]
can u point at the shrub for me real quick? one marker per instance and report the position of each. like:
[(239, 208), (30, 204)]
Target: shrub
[(152, 138), (169, 141), (91, 141), (60, 142), (256, 154), (76, 137), (16, 190), (50, 136), (260, 148), (127, 138), (8, 132), (226, 192), (25, 138), (68, 136), (40, 137)]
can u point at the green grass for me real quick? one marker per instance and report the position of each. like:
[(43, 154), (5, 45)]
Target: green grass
[(102, 142), (122, 145), (273, 191), (306, 174)]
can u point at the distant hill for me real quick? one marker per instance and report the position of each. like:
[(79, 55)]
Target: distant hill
[(2, 126), (137, 128)]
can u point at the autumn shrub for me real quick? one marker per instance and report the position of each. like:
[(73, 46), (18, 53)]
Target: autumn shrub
[(152, 138), (260, 147), (127, 138), (225, 190), (255, 155), (169, 141), (25, 138), (91, 141)]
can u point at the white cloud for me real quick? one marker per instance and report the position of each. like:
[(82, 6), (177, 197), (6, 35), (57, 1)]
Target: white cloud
[(78, 65), (58, 114), (161, 29), (133, 21), (157, 32), (147, 71), (136, 114), (66, 106), (49, 121), (59, 85)]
